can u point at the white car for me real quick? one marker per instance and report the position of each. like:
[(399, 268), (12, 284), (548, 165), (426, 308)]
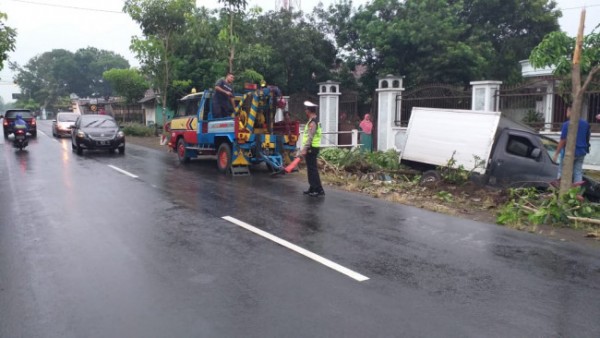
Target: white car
[(62, 126)]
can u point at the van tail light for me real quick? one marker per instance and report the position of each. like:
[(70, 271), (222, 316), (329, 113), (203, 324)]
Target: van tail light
[(33, 121), (5, 123)]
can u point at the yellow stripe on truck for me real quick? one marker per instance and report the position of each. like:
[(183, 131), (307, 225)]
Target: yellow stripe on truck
[(184, 123)]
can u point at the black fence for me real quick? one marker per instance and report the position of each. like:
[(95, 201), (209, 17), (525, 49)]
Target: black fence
[(431, 96)]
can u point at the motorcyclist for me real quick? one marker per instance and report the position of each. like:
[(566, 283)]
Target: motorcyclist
[(19, 123)]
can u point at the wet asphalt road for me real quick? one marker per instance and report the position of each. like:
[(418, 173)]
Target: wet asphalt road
[(88, 251)]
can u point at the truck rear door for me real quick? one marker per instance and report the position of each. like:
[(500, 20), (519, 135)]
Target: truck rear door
[(519, 159)]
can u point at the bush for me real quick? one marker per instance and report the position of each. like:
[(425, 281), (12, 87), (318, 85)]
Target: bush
[(360, 161), (137, 129)]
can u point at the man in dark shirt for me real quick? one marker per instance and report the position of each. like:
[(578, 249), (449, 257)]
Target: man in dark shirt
[(223, 97)]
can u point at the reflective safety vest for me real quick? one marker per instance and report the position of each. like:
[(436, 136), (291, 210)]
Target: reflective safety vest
[(316, 141)]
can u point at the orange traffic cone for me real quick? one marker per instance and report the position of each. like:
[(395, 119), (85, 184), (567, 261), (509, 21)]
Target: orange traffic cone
[(292, 165)]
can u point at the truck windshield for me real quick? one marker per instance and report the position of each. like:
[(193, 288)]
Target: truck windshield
[(550, 145), (189, 106)]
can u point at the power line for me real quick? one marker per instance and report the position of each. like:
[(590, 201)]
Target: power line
[(69, 7), (120, 12)]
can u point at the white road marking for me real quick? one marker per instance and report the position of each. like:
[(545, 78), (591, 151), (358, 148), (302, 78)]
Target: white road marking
[(122, 171), (355, 275)]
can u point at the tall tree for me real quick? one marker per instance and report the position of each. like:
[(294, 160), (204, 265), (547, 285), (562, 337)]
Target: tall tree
[(91, 64), (45, 78), (233, 7), (160, 21), (513, 27), (198, 55), (288, 51), (60, 72), (452, 41), (7, 40), (424, 40), (571, 56), (128, 83)]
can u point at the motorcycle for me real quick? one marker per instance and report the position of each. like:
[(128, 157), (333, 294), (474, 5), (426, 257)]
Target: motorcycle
[(20, 139)]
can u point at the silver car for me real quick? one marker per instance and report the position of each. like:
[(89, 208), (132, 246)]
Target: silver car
[(62, 126)]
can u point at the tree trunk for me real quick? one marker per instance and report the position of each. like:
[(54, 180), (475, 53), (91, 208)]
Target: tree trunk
[(231, 45), (566, 179)]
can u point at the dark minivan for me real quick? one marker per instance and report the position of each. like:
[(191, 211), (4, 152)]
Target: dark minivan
[(10, 116)]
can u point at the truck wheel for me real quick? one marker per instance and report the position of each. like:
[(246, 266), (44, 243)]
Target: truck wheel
[(224, 157), (181, 151), (430, 177)]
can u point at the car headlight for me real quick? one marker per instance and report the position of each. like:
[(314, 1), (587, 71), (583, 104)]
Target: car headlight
[(80, 134), (120, 134)]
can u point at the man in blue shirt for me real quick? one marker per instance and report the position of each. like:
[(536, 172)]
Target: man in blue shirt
[(582, 146), (223, 97)]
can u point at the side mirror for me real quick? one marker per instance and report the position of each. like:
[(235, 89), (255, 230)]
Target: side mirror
[(535, 153), (53, 121)]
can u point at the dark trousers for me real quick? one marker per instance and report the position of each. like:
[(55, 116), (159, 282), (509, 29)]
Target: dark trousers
[(314, 180)]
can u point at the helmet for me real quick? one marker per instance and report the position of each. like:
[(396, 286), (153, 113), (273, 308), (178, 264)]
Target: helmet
[(281, 103)]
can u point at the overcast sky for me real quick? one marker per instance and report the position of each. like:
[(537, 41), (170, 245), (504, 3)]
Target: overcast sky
[(43, 25)]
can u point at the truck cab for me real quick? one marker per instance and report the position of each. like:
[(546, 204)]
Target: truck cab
[(522, 158)]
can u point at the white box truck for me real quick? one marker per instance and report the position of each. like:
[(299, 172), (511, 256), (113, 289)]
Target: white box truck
[(513, 155)]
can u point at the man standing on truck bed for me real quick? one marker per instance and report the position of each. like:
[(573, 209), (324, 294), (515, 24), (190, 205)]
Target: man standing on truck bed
[(223, 96), (311, 141), (582, 146)]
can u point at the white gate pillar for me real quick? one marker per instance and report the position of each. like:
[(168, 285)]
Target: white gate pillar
[(329, 106), (548, 104), (388, 90), (483, 98)]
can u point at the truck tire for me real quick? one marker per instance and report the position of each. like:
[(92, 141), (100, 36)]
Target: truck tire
[(181, 151), (224, 157), (430, 177)]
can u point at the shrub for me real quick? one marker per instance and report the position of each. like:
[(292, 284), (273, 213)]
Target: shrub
[(356, 160), (137, 129)]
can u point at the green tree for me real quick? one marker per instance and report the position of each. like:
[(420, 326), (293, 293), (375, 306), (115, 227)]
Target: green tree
[(424, 40), (288, 51), (91, 64), (58, 73), (570, 56), (513, 27), (128, 83), (233, 8), (7, 40), (197, 59), (45, 78), (451, 41), (161, 21)]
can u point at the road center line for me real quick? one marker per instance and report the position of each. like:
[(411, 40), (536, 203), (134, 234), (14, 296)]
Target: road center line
[(355, 275), (122, 171)]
